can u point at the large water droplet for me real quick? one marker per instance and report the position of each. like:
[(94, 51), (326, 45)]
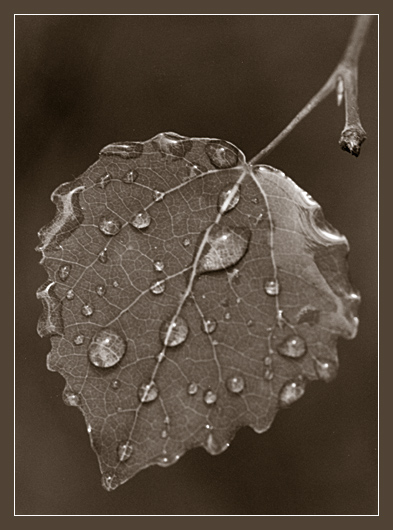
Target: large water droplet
[(293, 346), (158, 265), (291, 392), (103, 256), (172, 144), (272, 287), (225, 205), (108, 225), (79, 339), (100, 290), (124, 450), (235, 384), (141, 220), (109, 481), (174, 332), (87, 310), (209, 325), (326, 369), (225, 246), (130, 177), (70, 295), (192, 389), (221, 154), (147, 392), (210, 397), (158, 287), (64, 272), (106, 348), (70, 398)]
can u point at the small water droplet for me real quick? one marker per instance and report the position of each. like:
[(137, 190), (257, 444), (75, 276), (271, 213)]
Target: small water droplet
[(158, 287), (255, 200), (115, 384), (141, 220), (225, 205), (225, 246), (272, 287), (249, 323), (267, 360), (235, 384), (87, 310), (293, 346), (158, 265), (210, 397), (147, 392), (291, 392), (103, 256), (209, 325), (221, 154), (109, 481), (70, 398), (208, 427), (89, 429), (326, 369), (160, 357), (158, 195), (106, 348), (268, 374), (192, 389), (100, 290), (172, 144), (104, 181), (227, 316), (70, 295), (174, 332), (130, 177), (79, 339), (186, 242), (64, 272), (164, 434), (124, 450), (115, 284), (108, 225)]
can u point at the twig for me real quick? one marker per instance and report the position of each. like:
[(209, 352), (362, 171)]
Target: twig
[(344, 81)]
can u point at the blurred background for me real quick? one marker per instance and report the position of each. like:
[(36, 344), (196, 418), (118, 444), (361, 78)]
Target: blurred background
[(85, 81)]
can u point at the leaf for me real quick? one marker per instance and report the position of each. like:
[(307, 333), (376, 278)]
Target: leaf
[(189, 294)]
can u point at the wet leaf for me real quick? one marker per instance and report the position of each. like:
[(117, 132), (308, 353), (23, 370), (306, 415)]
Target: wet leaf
[(189, 294)]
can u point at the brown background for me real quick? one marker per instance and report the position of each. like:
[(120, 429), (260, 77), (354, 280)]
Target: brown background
[(85, 81)]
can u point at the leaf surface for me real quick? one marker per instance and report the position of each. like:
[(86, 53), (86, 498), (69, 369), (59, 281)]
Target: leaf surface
[(189, 294)]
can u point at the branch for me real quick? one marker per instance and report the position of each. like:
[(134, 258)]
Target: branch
[(344, 81)]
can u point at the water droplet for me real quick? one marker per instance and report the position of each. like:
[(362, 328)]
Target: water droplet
[(213, 447), (268, 374), (255, 200), (326, 369), (100, 290), (158, 195), (103, 256), (172, 144), (174, 332), (109, 481), (249, 323), (186, 242), (291, 392), (123, 149), (209, 325), (223, 204), (272, 287), (208, 427), (79, 339), (64, 272), (227, 316), (104, 181), (115, 284), (225, 246), (106, 348), (110, 226), (115, 384), (235, 384), (147, 392), (87, 310), (164, 434), (124, 450), (221, 154), (141, 220), (158, 287), (160, 357), (293, 346), (70, 398), (70, 295), (192, 389), (158, 265), (267, 360), (210, 397), (130, 177)]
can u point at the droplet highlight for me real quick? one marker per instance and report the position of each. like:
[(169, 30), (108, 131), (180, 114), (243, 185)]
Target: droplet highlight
[(209, 325), (224, 247), (124, 451), (271, 287), (293, 346), (291, 392), (224, 203), (174, 332), (210, 397), (158, 287), (235, 384), (87, 310), (106, 348), (64, 272), (109, 226), (141, 220), (147, 392)]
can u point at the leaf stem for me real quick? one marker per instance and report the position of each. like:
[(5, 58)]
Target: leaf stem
[(344, 80)]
